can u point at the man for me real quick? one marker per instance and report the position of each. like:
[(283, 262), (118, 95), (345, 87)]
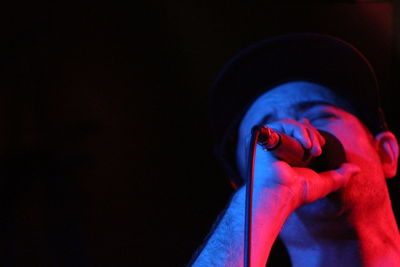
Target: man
[(302, 86)]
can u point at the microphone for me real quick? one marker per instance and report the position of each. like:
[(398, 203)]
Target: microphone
[(290, 150)]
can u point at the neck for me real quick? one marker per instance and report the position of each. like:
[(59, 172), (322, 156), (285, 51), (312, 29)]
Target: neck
[(366, 239)]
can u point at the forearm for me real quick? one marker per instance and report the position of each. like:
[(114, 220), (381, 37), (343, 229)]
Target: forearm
[(225, 246)]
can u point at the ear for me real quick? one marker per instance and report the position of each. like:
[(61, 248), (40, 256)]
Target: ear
[(388, 151)]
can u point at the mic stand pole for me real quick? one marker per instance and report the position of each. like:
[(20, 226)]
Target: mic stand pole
[(249, 198)]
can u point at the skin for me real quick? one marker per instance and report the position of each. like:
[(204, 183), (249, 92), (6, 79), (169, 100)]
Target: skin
[(339, 217)]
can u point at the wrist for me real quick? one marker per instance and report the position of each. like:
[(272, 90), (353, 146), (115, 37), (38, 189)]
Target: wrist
[(271, 199), (280, 199), (271, 208)]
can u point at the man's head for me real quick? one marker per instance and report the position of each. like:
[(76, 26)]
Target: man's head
[(310, 103), (321, 60)]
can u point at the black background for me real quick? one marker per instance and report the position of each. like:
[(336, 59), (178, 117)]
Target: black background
[(105, 155)]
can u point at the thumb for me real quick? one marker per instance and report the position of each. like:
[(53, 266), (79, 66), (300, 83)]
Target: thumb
[(329, 181)]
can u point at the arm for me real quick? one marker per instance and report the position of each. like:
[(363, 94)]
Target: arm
[(272, 206), (225, 246), (279, 189)]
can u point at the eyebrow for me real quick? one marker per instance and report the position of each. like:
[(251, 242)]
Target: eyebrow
[(303, 106), (299, 107)]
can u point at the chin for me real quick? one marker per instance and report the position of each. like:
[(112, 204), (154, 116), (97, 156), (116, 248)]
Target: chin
[(329, 208), (324, 218)]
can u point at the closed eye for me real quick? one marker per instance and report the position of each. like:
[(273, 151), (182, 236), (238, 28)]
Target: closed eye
[(322, 118)]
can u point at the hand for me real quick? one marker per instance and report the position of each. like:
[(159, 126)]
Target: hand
[(303, 184)]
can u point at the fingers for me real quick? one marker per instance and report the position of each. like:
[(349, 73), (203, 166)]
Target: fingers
[(307, 135), (318, 185), (303, 135), (316, 139)]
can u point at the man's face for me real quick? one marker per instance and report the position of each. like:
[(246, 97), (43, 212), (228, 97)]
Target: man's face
[(299, 100)]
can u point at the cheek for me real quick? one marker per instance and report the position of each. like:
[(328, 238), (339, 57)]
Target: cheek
[(368, 185), (359, 148), (356, 140)]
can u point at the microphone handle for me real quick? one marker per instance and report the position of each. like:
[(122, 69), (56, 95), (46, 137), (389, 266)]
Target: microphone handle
[(283, 147)]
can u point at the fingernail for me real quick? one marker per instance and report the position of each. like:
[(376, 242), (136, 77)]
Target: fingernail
[(316, 151)]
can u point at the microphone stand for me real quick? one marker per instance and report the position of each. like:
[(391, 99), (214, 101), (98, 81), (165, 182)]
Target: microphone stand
[(249, 198)]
